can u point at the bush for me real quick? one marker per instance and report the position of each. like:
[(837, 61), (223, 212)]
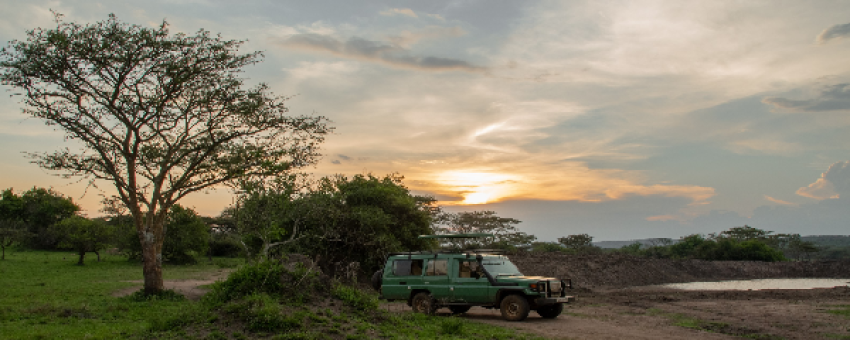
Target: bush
[(262, 313), (224, 244), (290, 283), (263, 277), (165, 295), (186, 235), (355, 298)]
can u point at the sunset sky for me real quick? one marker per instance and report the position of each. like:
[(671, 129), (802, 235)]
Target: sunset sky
[(620, 119)]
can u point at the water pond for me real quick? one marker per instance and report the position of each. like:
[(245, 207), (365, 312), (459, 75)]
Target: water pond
[(759, 284)]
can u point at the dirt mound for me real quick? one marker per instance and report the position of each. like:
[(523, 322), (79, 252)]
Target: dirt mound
[(617, 270)]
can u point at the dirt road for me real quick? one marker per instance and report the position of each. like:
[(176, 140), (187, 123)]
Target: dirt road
[(666, 314)]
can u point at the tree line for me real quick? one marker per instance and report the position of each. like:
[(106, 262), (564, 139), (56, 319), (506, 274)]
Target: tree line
[(743, 243)]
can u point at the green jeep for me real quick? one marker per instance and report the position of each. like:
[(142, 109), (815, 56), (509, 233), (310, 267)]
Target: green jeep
[(462, 279)]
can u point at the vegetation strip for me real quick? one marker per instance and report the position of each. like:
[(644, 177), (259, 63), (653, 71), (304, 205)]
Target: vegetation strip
[(46, 296), (685, 321)]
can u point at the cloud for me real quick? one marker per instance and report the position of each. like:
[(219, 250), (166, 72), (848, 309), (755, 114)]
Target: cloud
[(376, 51), (408, 38), (778, 201), (662, 218), (833, 183), (834, 32), (336, 161), (400, 11), (344, 157), (830, 98)]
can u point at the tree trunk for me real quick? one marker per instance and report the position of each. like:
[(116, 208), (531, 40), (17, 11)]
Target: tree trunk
[(152, 238), (98, 255), (82, 256)]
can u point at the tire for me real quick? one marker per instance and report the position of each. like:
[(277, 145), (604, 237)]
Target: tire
[(514, 308), (551, 311), (377, 280), (424, 303), (459, 309)]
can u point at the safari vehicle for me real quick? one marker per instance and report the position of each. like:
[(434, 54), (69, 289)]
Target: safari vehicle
[(462, 279)]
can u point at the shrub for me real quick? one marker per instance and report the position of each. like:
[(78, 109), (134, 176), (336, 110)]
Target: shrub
[(293, 283), (354, 297), (166, 295)]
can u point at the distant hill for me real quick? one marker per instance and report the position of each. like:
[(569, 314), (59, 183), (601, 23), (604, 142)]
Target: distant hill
[(826, 241)]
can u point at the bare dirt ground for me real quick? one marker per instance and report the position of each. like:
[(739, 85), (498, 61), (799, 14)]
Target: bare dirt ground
[(669, 314), (190, 288)]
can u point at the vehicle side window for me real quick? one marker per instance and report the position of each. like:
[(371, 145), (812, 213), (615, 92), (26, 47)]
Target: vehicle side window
[(437, 268), (467, 269), (407, 267)]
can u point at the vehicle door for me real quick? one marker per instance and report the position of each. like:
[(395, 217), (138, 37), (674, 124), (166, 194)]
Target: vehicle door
[(436, 279), (401, 275), (468, 283)]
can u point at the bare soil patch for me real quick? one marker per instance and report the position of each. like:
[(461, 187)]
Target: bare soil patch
[(615, 301), (669, 314), (190, 288)]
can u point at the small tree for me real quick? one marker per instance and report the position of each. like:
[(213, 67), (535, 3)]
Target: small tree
[(83, 235), (187, 235), (267, 215), (576, 242), (504, 230), (745, 233), (11, 231), (39, 209), (362, 219), (159, 116)]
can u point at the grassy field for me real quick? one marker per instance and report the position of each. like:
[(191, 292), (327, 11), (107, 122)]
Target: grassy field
[(44, 295)]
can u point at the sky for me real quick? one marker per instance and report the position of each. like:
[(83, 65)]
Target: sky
[(619, 119)]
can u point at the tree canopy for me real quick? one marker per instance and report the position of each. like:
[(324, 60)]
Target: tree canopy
[(83, 235), (38, 209), (505, 233), (158, 115)]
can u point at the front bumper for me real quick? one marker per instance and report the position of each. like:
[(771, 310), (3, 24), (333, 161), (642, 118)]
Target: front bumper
[(552, 301)]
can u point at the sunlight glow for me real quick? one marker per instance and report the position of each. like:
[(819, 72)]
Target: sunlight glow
[(479, 187)]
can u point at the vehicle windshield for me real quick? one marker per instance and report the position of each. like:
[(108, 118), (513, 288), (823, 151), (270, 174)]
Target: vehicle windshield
[(500, 266)]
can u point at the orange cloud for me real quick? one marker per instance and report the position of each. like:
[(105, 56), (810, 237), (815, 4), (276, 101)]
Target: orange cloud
[(662, 218), (778, 201)]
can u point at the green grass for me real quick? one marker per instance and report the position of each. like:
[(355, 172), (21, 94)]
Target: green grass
[(45, 295), (685, 321), (843, 310), (420, 326)]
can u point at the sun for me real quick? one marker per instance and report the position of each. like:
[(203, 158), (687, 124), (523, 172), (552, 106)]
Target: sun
[(478, 187)]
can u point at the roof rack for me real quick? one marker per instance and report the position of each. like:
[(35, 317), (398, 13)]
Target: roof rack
[(457, 235), (453, 251)]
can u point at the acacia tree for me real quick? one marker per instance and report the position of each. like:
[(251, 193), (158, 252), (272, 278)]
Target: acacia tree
[(83, 235), (11, 231), (504, 230), (160, 116)]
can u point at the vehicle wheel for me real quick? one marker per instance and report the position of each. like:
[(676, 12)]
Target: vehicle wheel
[(377, 280), (514, 308), (459, 309), (551, 311), (424, 303)]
